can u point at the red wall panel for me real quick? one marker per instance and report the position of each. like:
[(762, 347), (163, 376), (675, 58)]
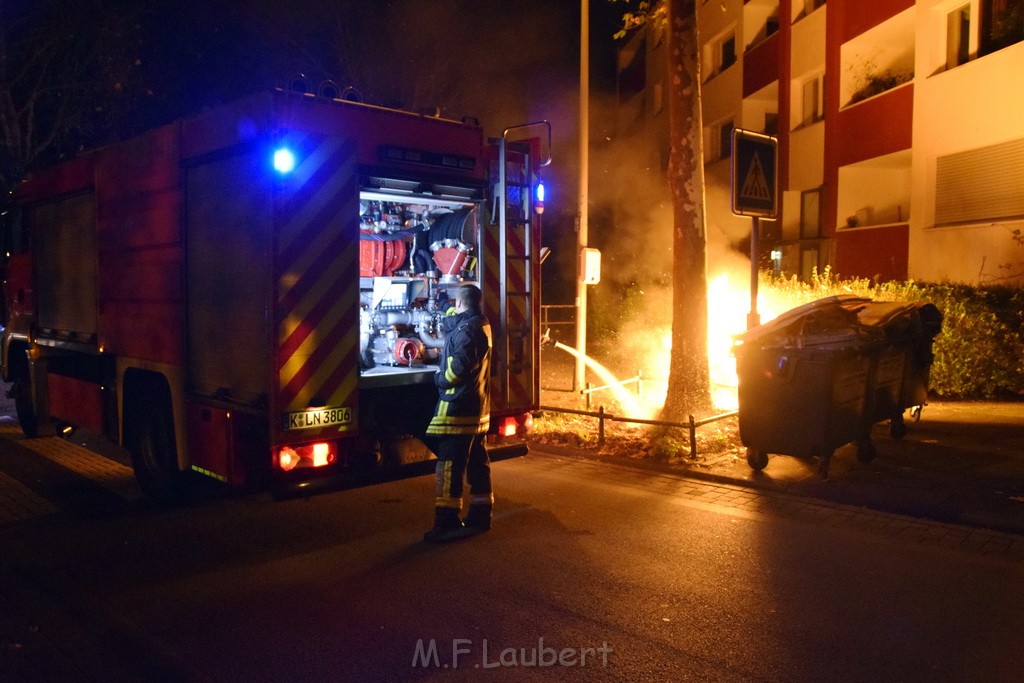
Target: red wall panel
[(876, 252), (881, 125), (858, 16), (761, 65)]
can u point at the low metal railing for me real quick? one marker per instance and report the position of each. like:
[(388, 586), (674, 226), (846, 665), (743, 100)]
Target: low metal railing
[(690, 425), (591, 389), (557, 315)]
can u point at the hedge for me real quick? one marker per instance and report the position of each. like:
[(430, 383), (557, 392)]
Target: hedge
[(980, 351)]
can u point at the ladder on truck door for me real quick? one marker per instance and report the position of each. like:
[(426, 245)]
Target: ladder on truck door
[(519, 380)]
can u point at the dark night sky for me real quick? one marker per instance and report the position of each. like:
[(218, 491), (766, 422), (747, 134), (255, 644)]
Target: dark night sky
[(503, 63)]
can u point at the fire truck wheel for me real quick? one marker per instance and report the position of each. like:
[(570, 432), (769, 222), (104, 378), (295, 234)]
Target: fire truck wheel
[(153, 456), (27, 417)]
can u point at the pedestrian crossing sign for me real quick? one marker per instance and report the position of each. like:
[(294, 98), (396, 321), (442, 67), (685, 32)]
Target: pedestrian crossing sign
[(754, 178)]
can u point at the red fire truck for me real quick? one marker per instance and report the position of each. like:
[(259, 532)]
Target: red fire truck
[(242, 294)]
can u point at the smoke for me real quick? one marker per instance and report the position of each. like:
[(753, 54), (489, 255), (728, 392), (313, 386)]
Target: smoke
[(632, 223)]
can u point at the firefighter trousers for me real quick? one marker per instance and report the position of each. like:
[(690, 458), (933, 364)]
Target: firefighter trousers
[(462, 456)]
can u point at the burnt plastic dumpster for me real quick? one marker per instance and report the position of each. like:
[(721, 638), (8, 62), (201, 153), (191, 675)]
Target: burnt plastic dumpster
[(803, 381), (898, 378)]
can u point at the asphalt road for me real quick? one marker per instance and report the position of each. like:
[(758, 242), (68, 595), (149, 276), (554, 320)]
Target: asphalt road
[(592, 571)]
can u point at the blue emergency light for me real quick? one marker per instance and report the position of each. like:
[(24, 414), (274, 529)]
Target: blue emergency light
[(539, 197), (284, 160)]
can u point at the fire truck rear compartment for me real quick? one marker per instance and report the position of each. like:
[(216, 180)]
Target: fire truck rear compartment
[(229, 232), (179, 275)]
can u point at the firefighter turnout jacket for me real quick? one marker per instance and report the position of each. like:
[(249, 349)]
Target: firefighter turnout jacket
[(463, 406)]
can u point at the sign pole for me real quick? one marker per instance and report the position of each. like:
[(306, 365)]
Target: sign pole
[(753, 318), (755, 190)]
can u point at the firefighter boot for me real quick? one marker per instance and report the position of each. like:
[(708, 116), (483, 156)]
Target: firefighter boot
[(478, 520), (447, 526), (479, 517)]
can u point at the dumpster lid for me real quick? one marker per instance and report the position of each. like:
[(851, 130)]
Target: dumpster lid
[(832, 320), (902, 318), (885, 313)]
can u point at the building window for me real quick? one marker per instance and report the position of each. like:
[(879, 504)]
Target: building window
[(808, 263), (958, 36), (725, 140), (980, 184), (813, 108), (771, 123), (718, 141), (1002, 24), (631, 78), (810, 214), (728, 52), (720, 54)]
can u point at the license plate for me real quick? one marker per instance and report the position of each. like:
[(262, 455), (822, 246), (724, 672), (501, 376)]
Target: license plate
[(318, 417)]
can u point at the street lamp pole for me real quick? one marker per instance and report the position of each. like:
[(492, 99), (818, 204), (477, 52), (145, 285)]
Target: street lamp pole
[(582, 237)]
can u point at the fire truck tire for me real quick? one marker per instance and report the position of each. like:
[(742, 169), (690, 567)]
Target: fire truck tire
[(154, 458), (27, 417)]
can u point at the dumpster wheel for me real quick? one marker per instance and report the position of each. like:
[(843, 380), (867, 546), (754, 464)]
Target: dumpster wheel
[(897, 427), (757, 459), (866, 451), (824, 462)]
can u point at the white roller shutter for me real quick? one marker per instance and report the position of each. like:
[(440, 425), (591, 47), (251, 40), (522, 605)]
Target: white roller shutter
[(983, 184)]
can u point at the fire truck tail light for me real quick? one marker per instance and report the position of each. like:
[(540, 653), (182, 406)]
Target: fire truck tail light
[(515, 425), (508, 427), (322, 455), (288, 459), (318, 454)]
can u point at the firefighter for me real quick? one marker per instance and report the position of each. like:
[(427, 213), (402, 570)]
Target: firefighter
[(461, 419)]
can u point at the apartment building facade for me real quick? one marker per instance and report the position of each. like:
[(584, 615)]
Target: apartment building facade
[(900, 127)]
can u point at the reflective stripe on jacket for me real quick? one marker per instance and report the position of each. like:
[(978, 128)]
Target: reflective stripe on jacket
[(464, 404)]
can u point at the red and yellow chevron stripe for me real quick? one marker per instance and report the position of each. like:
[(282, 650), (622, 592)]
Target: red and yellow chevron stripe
[(317, 299), (513, 388)]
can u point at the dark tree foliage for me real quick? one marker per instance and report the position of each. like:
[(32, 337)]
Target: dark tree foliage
[(61, 64), (76, 74)]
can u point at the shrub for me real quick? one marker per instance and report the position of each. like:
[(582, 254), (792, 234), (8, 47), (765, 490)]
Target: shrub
[(980, 351)]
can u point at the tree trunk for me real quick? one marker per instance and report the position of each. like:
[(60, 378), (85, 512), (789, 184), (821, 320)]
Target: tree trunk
[(688, 382)]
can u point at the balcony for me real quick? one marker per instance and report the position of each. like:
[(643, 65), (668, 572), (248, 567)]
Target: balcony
[(805, 8), (875, 192), (878, 60), (761, 65)]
